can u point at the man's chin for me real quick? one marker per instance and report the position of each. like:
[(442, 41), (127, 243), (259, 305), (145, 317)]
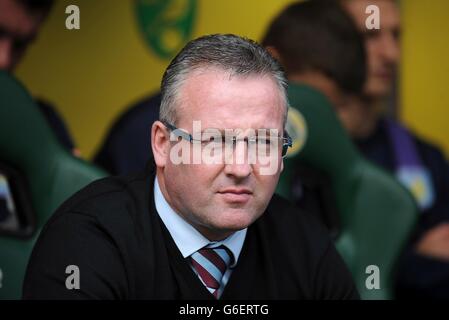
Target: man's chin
[(235, 220)]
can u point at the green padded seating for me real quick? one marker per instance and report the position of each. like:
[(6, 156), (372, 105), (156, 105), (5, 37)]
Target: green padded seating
[(376, 213), (52, 175)]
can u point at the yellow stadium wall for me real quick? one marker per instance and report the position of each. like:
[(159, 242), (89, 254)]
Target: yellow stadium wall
[(92, 74), (425, 69)]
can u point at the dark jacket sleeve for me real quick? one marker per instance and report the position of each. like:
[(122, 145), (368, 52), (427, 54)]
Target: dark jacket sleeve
[(75, 239)]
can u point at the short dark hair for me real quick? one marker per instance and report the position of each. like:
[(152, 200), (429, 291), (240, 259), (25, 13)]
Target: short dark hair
[(319, 35), (37, 5), (236, 55)]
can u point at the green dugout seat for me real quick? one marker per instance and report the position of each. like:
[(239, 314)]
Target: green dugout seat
[(376, 213), (49, 175)]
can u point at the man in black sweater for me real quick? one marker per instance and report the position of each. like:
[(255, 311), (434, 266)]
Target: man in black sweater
[(203, 223)]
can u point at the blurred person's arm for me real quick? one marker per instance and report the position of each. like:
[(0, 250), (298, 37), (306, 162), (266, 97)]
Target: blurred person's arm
[(435, 242), (423, 270)]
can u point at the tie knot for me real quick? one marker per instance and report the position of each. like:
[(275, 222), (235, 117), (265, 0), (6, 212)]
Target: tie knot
[(211, 264), (220, 256)]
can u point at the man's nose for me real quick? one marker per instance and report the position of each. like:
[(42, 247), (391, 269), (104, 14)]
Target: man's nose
[(6, 54), (239, 165), (390, 48)]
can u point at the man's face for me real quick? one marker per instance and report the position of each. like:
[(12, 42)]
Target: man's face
[(18, 28), (218, 199), (382, 46)]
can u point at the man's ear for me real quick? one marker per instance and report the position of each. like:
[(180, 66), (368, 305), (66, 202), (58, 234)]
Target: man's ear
[(160, 143), (274, 53)]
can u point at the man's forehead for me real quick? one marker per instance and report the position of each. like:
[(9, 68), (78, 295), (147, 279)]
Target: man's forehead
[(221, 88), (230, 117), (389, 12), (220, 99)]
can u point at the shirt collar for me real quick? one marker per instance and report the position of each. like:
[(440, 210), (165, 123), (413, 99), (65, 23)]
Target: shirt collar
[(186, 237)]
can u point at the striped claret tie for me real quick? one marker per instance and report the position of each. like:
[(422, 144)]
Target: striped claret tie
[(210, 264)]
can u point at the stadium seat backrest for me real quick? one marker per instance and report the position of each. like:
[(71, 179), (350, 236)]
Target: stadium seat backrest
[(376, 213), (51, 173)]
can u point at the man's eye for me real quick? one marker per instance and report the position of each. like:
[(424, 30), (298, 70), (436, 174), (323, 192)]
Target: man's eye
[(396, 34), (370, 34), (228, 140), (212, 139), (265, 141), (3, 33)]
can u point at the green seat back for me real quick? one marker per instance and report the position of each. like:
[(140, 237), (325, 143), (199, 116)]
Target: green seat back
[(376, 212), (53, 174)]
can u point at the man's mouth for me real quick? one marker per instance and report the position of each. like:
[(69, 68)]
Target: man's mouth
[(236, 195), (385, 73)]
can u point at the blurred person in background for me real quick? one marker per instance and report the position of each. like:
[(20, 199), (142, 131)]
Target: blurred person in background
[(420, 166), (20, 22), (326, 64), (424, 268), (126, 147)]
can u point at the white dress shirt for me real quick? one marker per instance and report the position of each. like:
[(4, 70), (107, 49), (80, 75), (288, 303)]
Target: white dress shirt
[(189, 240)]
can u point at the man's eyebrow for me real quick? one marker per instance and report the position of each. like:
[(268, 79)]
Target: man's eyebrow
[(370, 32), (213, 131), (233, 131), (397, 31), (4, 31), (17, 37)]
